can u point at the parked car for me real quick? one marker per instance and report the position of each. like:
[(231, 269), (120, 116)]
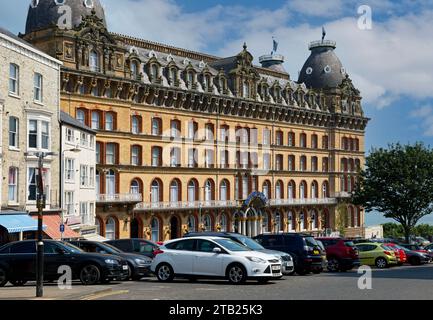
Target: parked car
[(415, 247), (324, 258), (342, 254), (416, 258), (18, 263), (139, 246), (376, 254), (429, 249), (302, 247), (286, 259), (400, 254), (138, 265), (214, 257)]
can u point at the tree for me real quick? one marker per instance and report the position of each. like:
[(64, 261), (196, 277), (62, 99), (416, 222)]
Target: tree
[(392, 230), (341, 222), (398, 182)]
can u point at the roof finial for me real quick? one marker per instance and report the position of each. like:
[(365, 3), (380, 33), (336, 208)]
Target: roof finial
[(245, 46), (275, 47), (323, 33)]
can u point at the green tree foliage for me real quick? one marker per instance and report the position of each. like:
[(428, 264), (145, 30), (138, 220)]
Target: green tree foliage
[(392, 230), (398, 182)]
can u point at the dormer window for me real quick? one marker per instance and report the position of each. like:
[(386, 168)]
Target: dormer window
[(246, 89), (207, 82), (94, 61), (134, 70), (222, 84), (154, 72), (190, 79), (172, 76)]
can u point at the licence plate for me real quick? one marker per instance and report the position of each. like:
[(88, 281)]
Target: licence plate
[(276, 268), (125, 267), (316, 252)]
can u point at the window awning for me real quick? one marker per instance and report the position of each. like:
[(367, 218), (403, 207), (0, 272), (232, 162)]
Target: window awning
[(18, 222), (94, 237), (53, 222)]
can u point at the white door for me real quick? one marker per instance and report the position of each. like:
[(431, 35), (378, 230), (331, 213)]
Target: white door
[(207, 262), (183, 257)]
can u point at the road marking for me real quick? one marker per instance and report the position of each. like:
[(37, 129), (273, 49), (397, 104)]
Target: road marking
[(104, 294)]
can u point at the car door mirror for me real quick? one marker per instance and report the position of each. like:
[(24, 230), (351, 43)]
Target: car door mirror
[(60, 251), (217, 250)]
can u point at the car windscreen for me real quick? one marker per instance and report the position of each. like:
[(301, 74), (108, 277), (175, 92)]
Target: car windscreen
[(310, 242), (349, 243), (109, 248), (250, 243), (231, 245), (70, 247)]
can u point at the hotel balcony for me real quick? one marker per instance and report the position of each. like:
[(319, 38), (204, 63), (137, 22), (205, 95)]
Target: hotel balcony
[(119, 198), (302, 202)]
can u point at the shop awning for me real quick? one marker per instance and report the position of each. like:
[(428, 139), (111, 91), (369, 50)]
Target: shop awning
[(94, 237), (19, 222), (53, 222)]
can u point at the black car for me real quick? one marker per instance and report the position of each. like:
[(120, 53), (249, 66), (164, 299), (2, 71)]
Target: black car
[(18, 263), (415, 258), (302, 247), (139, 246), (139, 266), (287, 260)]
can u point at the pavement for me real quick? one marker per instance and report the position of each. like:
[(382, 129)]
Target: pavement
[(398, 283)]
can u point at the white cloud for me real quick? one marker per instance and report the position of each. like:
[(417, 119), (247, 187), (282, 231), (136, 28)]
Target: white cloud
[(317, 8), (425, 114)]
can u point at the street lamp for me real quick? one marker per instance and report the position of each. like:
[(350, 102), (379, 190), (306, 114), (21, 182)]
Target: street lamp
[(62, 184), (40, 204)]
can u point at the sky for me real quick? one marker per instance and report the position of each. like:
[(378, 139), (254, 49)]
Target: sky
[(391, 63)]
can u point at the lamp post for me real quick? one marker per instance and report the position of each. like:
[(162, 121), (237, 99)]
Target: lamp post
[(40, 204), (62, 172)]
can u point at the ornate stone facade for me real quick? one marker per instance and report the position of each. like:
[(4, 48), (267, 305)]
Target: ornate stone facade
[(184, 137)]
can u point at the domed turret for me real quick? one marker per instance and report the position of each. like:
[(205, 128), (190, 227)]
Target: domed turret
[(322, 69), (47, 13)]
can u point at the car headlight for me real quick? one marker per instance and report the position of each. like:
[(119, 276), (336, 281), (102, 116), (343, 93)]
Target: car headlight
[(141, 261), (110, 261), (256, 260)]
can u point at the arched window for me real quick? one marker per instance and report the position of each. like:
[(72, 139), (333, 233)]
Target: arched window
[(303, 140), (224, 190), (110, 182), (325, 190), (134, 70), (208, 190), (303, 163), (94, 61), (290, 221), (314, 141), (207, 223), (135, 125), (192, 227), (314, 220), (135, 187), (96, 120), (98, 226), (279, 190), (110, 229), (153, 72), (156, 189), (156, 127), (223, 224), (303, 190), (267, 189), (291, 190), (155, 229), (314, 190), (192, 191), (175, 191), (175, 128), (265, 222), (302, 221), (172, 76)]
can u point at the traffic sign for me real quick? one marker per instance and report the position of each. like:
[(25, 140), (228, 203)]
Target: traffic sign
[(62, 228)]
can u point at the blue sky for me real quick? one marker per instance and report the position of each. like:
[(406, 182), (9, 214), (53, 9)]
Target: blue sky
[(392, 64)]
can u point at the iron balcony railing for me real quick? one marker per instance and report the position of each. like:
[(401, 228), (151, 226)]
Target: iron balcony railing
[(119, 198), (299, 202)]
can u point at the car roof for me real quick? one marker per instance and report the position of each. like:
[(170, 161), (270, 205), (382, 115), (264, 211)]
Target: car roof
[(369, 243), (196, 238)]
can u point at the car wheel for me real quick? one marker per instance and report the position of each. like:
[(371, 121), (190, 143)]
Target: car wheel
[(18, 283), (333, 265), (381, 263), (90, 275), (165, 273), (236, 274), (3, 277)]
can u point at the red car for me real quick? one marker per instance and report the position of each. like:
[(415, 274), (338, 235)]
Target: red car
[(399, 253), (342, 254)]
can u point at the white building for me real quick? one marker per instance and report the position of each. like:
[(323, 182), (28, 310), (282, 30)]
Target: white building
[(78, 175), (374, 232)]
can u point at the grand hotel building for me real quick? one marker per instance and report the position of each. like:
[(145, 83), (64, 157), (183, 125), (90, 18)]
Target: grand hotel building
[(188, 141)]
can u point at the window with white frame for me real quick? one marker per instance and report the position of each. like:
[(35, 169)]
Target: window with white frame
[(38, 84), (69, 135), (91, 176), (13, 185), (84, 176), (32, 189), (13, 132), (69, 203), (69, 170), (38, 134), (109, 122), (14, 79), (110, 153), (84, 139), (84, 211), (266, 137)]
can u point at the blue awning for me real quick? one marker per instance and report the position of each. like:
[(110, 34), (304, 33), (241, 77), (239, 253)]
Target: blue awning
[(15, 223)]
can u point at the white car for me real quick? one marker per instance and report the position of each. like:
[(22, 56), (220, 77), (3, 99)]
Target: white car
[(214, 257)]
